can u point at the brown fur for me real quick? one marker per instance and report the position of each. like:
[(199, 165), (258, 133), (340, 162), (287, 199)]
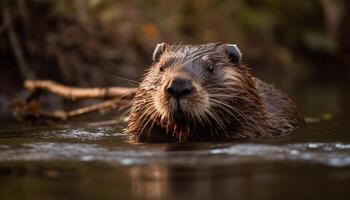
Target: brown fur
[(228, 103)]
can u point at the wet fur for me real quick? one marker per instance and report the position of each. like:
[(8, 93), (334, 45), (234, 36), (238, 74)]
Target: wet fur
[(229, 104)]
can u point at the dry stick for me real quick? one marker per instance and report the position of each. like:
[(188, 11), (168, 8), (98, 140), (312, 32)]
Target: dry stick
[(121, 97), (74, 93), (63, 115)]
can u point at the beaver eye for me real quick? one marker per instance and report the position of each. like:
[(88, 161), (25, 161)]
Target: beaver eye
[(161, 68), (211, 68)]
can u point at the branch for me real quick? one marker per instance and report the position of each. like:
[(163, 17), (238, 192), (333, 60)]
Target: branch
[(31, 107), (63, 115), (74, 93)]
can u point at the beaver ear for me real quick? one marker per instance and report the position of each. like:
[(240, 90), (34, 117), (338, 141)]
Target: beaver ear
[(234, 54), (158, 51)]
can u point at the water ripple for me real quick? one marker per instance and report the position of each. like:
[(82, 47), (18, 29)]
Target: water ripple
[(331, 154), (79, 134)]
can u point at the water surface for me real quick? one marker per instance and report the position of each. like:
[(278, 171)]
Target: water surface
[(100, 162)]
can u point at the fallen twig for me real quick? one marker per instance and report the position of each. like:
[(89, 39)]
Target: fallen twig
[(31, 108), (63, 115), (74, 93)]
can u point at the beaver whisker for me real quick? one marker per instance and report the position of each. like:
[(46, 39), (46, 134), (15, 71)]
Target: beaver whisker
[(250, 123), (224, 83), (155, 117), (206, 119), (122, 117), (244, 117), (239, 121), (233, 99), (222, 86), (222, 106), (218, 121), (225, 91), (130, 81), (230, 96), (213, 119), (192, 116), (219, 84), (199, 116), (145, 114), (236, 97), (129, 104), (145, 124)]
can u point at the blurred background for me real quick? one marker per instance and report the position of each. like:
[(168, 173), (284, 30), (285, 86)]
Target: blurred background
[(300, 46)]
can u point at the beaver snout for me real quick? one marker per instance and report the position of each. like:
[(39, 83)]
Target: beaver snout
[(179, 87)]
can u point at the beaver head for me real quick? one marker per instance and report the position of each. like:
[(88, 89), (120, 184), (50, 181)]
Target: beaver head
[(197, 90)]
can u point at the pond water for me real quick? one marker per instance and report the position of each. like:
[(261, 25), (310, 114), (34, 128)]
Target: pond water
[(84, 160), (81, 162)]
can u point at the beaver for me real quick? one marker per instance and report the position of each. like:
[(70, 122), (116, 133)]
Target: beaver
[(194, 91)]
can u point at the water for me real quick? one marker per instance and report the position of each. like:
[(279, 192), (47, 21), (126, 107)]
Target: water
[(99, 162)]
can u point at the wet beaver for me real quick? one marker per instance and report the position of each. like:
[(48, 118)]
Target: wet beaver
[(205, 91)]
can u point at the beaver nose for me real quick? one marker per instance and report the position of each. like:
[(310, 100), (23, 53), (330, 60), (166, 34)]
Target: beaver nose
[(179, 87)]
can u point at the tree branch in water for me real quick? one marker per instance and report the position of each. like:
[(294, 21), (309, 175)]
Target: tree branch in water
[(31, 108)]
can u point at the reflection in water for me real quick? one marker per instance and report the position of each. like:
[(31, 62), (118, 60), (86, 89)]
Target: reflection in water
[(149, 182), (95, 180), (277, 181)]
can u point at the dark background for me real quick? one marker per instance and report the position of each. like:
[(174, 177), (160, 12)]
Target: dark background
[(301, 46)]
